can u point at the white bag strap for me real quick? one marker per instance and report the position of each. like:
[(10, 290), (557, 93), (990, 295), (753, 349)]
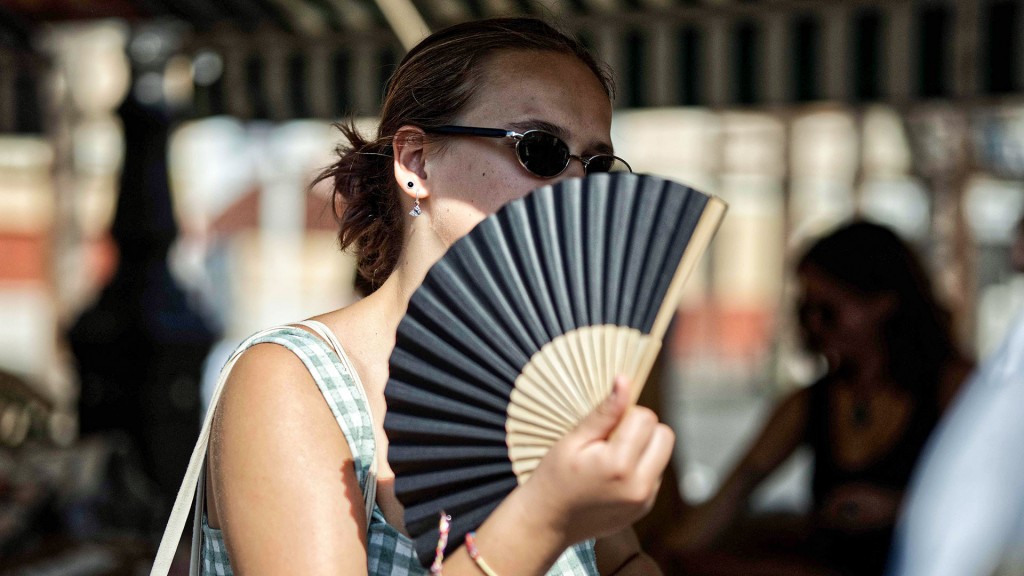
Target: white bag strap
[(190, 485), (194, 483)]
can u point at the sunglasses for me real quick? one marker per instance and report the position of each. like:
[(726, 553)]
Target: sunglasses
[(541, 153)]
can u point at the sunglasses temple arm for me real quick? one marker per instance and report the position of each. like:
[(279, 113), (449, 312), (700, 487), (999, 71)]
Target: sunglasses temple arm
[(471, 131)]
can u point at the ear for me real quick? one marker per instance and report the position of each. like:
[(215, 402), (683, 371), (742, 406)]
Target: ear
[(408, 151)]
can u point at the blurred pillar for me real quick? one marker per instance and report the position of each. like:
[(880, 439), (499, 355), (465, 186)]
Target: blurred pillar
[(140, 346), (716, 63), (835, 64), (899, 34), (943, 159), (966, 49)]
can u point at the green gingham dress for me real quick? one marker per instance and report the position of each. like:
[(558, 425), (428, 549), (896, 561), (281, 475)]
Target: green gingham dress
[(389, 552)]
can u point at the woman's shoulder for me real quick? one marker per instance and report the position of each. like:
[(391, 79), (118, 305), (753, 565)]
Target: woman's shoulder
[(297, 338), (268, 362), (299, 358), (276, 441), (307, 345), (269, 410), (265, 363), (269, 382), (280, 369)]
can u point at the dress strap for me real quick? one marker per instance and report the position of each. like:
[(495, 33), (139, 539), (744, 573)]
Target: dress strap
[(370, 489)]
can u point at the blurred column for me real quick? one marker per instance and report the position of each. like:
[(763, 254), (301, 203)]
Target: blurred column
[(234, 50), (610, 50), (899, 35), (966, 49), (716, 64), (140, 346), (662, 80), (321, 80), (365, 98), (777, 65), (283, 177), (835, 64), (943, 159), (85, 81), (7, 90)]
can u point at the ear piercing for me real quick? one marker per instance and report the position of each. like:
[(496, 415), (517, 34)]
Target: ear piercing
[(416, 211)]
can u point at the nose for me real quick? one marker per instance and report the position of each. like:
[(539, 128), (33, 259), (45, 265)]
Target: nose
[(577, 168)]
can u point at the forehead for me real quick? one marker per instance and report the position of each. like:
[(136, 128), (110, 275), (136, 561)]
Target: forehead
[(820, 286), (519, 85)]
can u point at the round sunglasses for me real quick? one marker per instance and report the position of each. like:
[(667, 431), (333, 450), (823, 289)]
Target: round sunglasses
[(541, 153)]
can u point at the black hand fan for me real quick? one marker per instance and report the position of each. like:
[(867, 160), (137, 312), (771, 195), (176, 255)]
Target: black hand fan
[(518, 331)]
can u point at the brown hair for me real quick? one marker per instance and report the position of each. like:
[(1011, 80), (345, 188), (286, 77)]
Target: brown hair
[(434, 81), (871, 259)]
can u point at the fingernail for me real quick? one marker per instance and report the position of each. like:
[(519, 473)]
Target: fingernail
[(617, 384)]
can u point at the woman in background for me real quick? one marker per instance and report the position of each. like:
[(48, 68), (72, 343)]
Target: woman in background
[(892, 366)]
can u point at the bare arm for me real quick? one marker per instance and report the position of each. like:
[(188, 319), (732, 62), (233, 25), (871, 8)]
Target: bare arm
[(285, 491), (779, 438), (294, 505)]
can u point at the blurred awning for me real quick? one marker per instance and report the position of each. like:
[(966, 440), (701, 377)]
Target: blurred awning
[(281, 59)]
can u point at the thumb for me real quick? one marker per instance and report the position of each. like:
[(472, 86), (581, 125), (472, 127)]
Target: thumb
[(606, 415)]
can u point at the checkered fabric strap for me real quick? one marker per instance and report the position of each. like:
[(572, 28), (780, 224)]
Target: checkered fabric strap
[(370, 488), (193, 486)]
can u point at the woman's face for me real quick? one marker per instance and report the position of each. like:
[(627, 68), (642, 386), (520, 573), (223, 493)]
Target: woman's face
[(471, 177), (838, 322)]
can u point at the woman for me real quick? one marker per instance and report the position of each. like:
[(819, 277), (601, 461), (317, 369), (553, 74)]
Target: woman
[(891, 368), (286, 498)]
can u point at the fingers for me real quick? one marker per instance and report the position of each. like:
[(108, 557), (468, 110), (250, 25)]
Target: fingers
[(613, 460), (600, 423), (642, 442), (632, 440), (632, 434), (658, 452)]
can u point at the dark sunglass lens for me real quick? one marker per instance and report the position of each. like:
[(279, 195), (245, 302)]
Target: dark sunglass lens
[(543, 154), (609, 163)]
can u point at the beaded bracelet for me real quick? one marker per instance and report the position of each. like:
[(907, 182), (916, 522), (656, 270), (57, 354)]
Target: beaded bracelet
[(475, 555), (442, 542)]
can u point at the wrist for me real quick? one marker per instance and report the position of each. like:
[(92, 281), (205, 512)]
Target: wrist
[(530, 508), (520, 536)]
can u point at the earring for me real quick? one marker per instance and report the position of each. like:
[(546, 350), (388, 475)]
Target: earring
[(416, 211)]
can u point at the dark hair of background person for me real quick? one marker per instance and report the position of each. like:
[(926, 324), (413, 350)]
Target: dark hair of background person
[(430, 86), (872, 260)]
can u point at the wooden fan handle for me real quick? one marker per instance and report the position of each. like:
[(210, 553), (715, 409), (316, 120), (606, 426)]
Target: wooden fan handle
[(705, 230)]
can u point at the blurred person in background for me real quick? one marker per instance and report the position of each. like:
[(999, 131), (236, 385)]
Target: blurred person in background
[(964, 514), (891, 367)]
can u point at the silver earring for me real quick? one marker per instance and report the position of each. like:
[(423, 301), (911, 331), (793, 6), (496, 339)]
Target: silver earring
[(416, 211)]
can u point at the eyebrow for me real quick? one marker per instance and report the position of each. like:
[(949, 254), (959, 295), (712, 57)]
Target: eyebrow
[(537, 124)]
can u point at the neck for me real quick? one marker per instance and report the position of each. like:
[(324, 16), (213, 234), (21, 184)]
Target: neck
[(425, 244), (866, 373), (372, 322), (391, 300)]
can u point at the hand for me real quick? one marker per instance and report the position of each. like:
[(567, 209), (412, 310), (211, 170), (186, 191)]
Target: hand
[(604, 475)]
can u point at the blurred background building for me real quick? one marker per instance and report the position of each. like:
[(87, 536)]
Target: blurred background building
[(155, 157)]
